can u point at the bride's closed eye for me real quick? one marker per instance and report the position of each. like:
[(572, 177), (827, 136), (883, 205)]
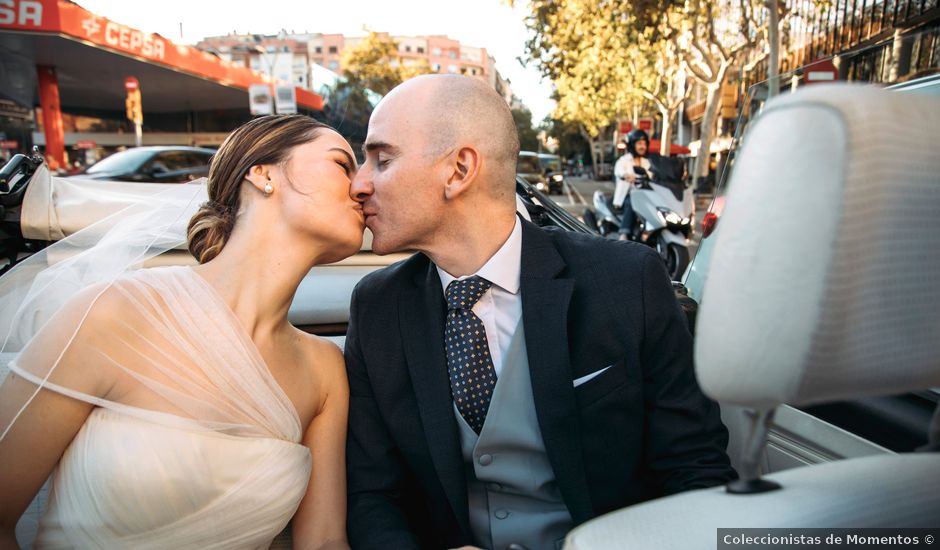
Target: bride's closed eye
[(346, 168)]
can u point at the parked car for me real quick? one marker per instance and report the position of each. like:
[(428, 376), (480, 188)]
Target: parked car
[(152, 164)]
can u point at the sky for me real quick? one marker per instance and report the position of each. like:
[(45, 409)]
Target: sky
[(489, 24)]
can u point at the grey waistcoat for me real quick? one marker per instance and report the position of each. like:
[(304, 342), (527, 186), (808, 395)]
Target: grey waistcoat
[(511, 487)]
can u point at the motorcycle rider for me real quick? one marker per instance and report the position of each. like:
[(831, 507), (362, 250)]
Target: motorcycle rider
[(638, 142)]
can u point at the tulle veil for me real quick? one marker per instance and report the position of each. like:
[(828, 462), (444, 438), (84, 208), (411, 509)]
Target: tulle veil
[(179, 342)]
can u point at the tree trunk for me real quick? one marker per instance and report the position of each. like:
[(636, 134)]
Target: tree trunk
[(665, 139), (709, 121), (773, 59), (893, 72), (596, 155)]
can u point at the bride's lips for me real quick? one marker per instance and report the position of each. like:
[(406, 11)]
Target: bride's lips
[(361, 215)]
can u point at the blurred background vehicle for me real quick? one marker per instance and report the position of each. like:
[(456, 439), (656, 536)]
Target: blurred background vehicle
[(152, 164), (529, 168), (551, 167)]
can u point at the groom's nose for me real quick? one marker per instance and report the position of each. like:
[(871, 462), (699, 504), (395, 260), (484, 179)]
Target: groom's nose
[(361, 187)]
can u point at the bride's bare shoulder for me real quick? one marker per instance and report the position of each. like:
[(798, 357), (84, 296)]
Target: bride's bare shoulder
[(325, 362)]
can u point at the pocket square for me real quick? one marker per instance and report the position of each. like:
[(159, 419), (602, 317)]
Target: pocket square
[(586, 377)]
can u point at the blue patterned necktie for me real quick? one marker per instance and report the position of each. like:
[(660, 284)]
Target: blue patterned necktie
[(472, 376)]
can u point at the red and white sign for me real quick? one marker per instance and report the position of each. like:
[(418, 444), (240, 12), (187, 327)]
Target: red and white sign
[(85, 144), (820, 71), (131, 84), (625, 127), (645, 124), (9, 144)]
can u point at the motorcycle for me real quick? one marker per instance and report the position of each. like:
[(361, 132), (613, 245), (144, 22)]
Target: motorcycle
[(664, 209), (14, 179)]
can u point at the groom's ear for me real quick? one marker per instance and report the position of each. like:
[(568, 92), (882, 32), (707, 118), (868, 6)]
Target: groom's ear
[(463, 168)]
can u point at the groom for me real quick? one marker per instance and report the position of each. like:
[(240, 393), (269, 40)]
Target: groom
[(507, 383)]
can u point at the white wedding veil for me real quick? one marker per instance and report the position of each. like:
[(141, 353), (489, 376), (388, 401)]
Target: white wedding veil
[(83, 310)]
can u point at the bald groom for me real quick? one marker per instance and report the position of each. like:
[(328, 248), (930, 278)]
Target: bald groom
[(507, 382)]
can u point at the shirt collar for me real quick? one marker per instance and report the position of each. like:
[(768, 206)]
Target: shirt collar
[(503, 267)]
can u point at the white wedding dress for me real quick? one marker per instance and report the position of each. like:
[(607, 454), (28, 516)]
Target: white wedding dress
[(196, 446)]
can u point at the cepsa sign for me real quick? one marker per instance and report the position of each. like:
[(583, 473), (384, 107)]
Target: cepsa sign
[(69, 18), (21, 13), (134, 41)]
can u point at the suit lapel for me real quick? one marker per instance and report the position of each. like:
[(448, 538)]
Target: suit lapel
[(545, 300), (421, 312)]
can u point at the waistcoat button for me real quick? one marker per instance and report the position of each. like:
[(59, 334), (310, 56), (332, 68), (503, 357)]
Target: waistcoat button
[(486, 460)]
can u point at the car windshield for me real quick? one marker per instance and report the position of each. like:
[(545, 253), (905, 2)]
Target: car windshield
[(527, 165), (868, 65), (553, 164), (124, 161)]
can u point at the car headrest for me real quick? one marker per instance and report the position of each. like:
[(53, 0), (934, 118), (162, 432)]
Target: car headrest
[(822, 280)]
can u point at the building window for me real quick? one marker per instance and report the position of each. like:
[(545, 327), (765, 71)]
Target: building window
[(452, 54), (407, 48), (436, 51), (319, 49), (436, 67), (270, 49), (452, 69), (332, 49), (285, 49), (334, 65), (420, 49)]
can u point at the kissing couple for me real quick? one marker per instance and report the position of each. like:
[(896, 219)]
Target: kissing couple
[(501, 386)]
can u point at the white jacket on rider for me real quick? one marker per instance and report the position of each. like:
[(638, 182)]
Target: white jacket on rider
[(624, 176)]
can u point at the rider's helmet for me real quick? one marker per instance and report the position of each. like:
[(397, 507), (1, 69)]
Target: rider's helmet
[(633, 137)]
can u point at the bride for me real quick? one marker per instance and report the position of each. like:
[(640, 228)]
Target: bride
[(176, 406)]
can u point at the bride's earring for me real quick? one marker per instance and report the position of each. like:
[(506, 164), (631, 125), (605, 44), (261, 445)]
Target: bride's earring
[(268, 189)]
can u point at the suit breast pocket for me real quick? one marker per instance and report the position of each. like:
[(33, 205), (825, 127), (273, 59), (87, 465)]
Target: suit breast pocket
[(604, 380)]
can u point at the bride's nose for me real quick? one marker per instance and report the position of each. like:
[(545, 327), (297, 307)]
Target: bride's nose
[(361, 187)]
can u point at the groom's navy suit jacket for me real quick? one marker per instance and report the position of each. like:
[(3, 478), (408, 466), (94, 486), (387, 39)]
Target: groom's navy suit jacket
[(640, 429)]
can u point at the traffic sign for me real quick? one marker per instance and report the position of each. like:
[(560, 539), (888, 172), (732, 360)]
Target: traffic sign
[(131, 84), (820, 72)]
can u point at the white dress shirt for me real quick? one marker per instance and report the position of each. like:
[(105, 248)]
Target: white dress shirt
[(500, 307)]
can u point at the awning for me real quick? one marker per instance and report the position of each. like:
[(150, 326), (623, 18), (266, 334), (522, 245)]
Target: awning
[(673, 148), (78, 43)]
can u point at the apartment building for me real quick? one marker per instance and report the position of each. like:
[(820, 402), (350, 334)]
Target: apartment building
[(287, 56), (280, 57)]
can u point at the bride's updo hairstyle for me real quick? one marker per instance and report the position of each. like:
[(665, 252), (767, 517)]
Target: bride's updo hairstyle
[(264, 140)]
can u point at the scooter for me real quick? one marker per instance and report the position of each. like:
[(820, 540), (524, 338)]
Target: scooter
[(664, 209)]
